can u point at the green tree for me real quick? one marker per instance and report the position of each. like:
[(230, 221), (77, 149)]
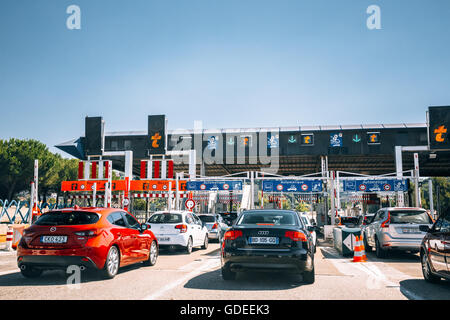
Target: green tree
[(17, 164)]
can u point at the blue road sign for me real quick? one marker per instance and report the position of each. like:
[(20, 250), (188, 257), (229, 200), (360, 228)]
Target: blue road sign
[(387, 185), (214, 185), (336, 139), (292, 185)]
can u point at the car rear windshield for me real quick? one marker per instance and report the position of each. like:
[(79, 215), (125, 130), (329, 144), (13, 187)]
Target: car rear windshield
[(269, 218), (165, 218), (67, 218), (410, 216), (207, 219)]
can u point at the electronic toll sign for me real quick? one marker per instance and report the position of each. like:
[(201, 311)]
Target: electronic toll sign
[(438, 126), (156, 134)]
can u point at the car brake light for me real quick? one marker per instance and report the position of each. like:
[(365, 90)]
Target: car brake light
[(181, 227), (88, 233), (386, 223), (215, 226), (296, 236), (232, 235)]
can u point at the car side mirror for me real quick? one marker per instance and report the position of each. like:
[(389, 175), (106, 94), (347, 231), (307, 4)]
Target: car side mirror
[(144, 227), (424, 228)]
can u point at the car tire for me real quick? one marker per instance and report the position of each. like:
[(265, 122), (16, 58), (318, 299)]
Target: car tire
[(112, 263), (188, 248), (380, 253), (153, 254), (426, 270), (309, 276), (205, 242), (227, 274), (30, 272)]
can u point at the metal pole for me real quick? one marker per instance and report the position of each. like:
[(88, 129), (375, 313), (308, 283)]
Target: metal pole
[(94, 194), (332, 198), (416, 179), (430, 192), (169, 198), (399, 170)]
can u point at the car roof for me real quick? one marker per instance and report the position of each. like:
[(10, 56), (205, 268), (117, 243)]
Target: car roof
[(98, 210)]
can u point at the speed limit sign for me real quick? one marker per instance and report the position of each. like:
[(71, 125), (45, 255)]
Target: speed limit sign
[(190, 204)]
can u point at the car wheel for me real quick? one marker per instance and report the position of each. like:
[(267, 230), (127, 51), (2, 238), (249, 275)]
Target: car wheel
[(111, 267), (188, 248), (30, 272), (205, 242), (153, 255), (309, 276), (426, 270), (379, 251), (366, 246), (227, 274)]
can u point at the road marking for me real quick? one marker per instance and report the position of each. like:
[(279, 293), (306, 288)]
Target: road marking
[(207, 265), (2, 273), (376, 276)]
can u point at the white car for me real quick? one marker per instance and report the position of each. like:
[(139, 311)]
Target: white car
[(307, 222), (182, 229)]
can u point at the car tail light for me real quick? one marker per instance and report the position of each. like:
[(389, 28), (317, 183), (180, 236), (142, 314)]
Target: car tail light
[(232, 235), (296, 236), (87, 233), (181, 227), (215, 226), (386, 223)]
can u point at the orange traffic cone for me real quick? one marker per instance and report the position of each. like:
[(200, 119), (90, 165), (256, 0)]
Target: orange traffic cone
[(362, 248), (358, 254)]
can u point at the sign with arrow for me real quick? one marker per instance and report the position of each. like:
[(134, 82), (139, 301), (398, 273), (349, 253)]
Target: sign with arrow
[(356, 138), (350, 241)]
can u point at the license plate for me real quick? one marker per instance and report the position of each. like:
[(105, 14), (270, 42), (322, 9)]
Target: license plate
[(53, 239), (263, 240), (164, 239), (409, 230)]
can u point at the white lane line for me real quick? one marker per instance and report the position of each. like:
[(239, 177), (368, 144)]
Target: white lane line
[(2, 273), (207, 265), (376, 276)]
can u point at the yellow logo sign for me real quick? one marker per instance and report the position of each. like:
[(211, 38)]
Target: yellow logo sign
[(439, 133), (307, 139), (155, 140), (373, 138)]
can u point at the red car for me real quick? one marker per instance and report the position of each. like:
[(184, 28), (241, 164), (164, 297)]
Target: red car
[(101, 238)]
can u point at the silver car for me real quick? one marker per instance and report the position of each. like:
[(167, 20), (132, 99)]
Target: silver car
[(395, 229), (215, 224)]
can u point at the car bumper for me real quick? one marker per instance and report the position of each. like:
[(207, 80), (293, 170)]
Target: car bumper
[(180, 240), (390, 243), (246, 260), (213, 235), (60, 259)]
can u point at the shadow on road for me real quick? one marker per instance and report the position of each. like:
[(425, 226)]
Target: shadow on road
[(421, 289), (58, 277), (255, 281), (396, 257)]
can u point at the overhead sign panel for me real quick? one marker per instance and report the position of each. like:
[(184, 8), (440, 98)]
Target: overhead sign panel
[(387, 185), (157, 134), (373, 138), (438, 128), (214, 185), (95, 137), (292, 185)]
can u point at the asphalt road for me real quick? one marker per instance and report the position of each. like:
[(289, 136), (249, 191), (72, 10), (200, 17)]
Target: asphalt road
[(197, 276)]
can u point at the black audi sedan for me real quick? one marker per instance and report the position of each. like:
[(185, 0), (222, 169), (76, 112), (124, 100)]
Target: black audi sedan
[(268, 240)]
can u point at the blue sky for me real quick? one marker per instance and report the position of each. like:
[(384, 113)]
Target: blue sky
[(229, 63)]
